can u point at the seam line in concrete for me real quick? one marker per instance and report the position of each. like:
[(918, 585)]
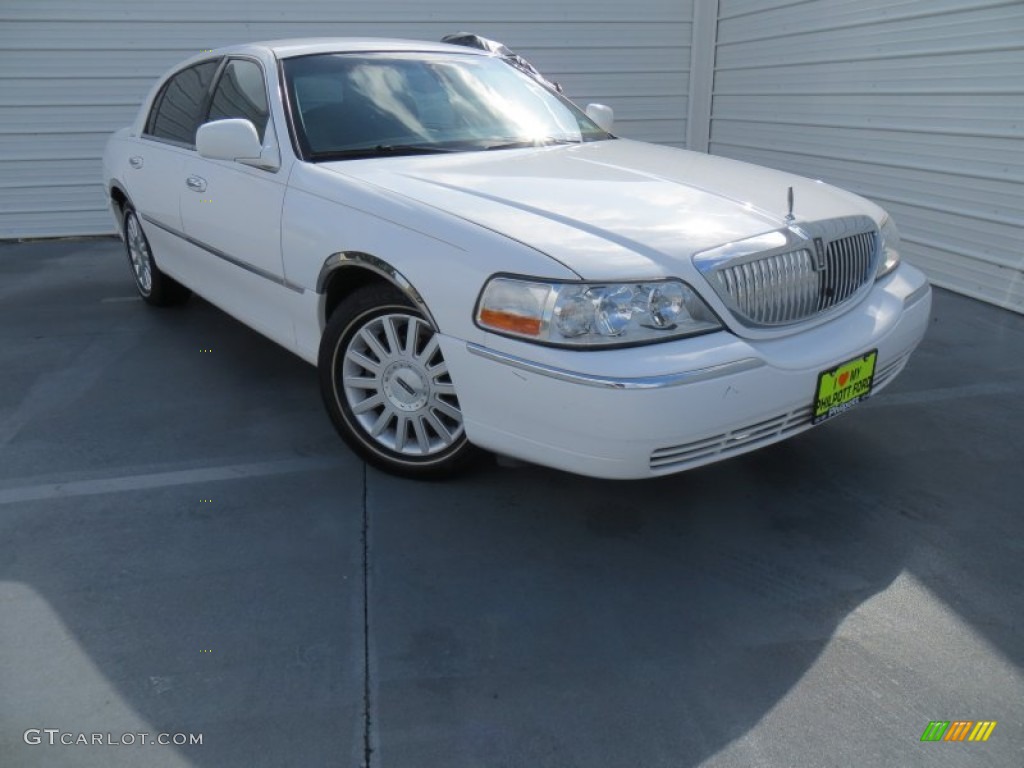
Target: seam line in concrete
[(367, 720), (125, 483)]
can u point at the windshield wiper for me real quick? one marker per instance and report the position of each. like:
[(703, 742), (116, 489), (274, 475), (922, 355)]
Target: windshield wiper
[(538, 142), (382, 150)]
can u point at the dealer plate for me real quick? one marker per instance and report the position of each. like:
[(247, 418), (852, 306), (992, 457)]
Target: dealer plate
[(842, 387)]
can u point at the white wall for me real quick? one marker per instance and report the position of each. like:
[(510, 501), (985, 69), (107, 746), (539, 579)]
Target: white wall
[(917, 104), (72, 71)]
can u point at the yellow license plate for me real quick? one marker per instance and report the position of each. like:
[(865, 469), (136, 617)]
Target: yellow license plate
[(842, 387)]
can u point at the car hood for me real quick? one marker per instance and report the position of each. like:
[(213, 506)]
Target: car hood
[(611, 209)]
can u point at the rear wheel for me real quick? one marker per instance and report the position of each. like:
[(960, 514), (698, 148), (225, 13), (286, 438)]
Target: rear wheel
[(387, 387), (154, 286)]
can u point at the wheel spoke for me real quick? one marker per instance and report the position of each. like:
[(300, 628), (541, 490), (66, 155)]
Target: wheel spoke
[(372, 343), (421, 435), (382, 421), (428, 352), (361, 382), (400, 433), (450, 411), (363, 361), (391, 336), (443, 388), (439, 428), (412, 333), (370, 403)]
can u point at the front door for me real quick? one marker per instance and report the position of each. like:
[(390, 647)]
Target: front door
[(231, 212)]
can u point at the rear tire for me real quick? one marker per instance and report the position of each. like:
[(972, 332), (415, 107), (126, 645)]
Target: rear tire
[(386, 386), (153, 286)]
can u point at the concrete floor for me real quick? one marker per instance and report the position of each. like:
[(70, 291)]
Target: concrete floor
[(186, 547)]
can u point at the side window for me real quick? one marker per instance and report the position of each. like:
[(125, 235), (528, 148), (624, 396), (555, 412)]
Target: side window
[(177, 110), (240, 92)]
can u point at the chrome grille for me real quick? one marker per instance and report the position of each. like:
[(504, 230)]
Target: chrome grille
[(790, 275), (774, 290), (848, 263)]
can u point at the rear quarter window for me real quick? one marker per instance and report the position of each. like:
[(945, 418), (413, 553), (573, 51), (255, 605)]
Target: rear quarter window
[(178, 108)]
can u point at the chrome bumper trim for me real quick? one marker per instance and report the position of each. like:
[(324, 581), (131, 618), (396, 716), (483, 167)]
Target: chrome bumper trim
[(609, 382)]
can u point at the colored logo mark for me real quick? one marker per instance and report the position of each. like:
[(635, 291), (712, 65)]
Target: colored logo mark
[(958, 730)]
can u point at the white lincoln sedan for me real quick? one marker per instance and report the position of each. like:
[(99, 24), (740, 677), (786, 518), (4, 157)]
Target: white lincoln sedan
[(473, 262)]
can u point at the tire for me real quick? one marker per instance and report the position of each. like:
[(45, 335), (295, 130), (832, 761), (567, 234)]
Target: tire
[(387, 388), (153, 286)]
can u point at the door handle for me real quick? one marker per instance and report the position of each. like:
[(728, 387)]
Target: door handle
[(135, 161), (196, 183)]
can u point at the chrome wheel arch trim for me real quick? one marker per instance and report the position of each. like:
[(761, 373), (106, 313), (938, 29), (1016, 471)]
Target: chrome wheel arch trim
[(116, 186), (371, 263)]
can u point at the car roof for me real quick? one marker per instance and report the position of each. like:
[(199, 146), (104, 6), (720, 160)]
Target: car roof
[(284, 49)]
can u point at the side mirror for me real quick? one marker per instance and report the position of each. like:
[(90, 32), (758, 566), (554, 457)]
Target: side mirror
[(234, 139), (603, 115)]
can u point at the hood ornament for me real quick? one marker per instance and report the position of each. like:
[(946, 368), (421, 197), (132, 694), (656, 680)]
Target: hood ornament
[(790, 218)]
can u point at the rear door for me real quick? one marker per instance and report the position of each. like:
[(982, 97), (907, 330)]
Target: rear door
[(157, 158)]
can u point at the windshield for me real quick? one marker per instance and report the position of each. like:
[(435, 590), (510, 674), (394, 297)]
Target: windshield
[(359, 105)]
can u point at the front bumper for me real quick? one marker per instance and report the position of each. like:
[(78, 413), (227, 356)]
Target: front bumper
[(648, 411)]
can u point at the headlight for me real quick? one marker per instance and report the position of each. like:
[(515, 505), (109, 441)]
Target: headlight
[(890, 248), (593, 314)]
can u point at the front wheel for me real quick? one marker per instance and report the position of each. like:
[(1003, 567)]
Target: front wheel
[(387, 387)]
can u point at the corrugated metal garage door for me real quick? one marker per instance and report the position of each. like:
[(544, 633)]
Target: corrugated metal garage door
[(917, 104), (71, 71)]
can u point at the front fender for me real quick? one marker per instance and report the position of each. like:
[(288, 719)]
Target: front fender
[(441, 261)]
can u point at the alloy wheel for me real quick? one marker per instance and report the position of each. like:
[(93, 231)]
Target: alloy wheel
[(138, 254), (396, 383)]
